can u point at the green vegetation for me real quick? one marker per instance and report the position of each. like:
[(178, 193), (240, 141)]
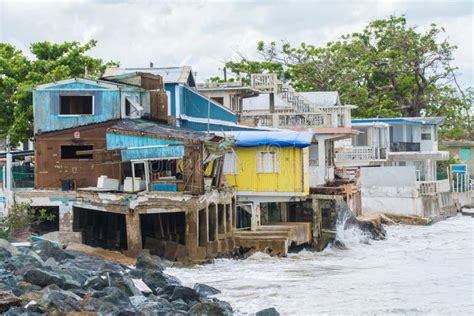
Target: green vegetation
[(389, 69), (21, 217), (19, 74)]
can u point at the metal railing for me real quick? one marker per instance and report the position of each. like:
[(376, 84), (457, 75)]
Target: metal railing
[(433, 187), (362, 153), (404, 146)]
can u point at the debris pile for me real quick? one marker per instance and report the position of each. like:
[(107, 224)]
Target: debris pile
[(47, 279)]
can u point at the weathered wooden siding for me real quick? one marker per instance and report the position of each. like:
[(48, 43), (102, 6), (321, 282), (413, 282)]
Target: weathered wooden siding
[(290, 176), (51, 169), (46, 106)]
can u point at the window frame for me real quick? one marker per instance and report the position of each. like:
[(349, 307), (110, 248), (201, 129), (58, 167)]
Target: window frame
[(275, 162), (227, 166), (76, 95), (75, 159)]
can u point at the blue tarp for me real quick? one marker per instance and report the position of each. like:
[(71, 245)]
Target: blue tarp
[(270, 138)]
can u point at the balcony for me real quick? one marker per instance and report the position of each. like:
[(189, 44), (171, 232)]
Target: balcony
[(362, 153), (334, 116), (404, 147), (427, 188)]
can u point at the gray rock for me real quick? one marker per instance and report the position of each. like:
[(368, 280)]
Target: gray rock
[(148, 262), (205, 290), (20, 311), (7, 300), (50, 262), (59, 302), (43, 278), (186, 294), (180, 305), (268, 312), (157, 280), (210, 309), (96, 283), (4, 244), (46, 249)]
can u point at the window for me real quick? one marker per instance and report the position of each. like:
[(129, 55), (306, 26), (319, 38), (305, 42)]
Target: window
[(267, 162), (132, 107), (465, 154), (230, 163), (219, 100), (71, 152), (425, 136), (76, 105)]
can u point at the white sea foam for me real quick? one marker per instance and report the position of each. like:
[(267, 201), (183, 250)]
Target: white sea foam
[(416, 270)]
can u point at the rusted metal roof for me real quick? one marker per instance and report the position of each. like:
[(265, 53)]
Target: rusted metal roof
[(140, 126)]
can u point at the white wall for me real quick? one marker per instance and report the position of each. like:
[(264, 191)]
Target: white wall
[(390, 190)]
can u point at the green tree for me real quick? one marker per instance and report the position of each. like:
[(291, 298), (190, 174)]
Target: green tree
[(19, 74), (387, 69)]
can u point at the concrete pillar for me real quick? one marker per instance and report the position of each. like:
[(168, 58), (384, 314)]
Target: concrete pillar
[(228, 214), (317, 220), (134, 234), (284, 211), (213, 224), (66, 218), (192, 232), (203, 228), (255, 221)]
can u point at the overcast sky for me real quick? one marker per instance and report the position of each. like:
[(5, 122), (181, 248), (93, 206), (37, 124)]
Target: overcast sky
[(204, 34)]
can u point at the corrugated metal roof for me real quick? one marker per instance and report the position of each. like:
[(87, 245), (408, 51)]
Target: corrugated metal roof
[(169, 74), (149, 127), (318, 98)]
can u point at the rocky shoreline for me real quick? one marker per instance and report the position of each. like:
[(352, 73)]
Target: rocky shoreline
[(45, 279)]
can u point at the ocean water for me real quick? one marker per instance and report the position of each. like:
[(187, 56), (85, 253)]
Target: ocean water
[(416, 270)]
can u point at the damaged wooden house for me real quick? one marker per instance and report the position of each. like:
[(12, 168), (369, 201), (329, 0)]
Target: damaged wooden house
[(119, 178)]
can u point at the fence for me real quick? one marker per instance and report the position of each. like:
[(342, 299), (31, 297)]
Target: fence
[(23, 177)]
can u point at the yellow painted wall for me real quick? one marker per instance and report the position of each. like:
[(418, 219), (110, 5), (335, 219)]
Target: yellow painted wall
[(290, 177)]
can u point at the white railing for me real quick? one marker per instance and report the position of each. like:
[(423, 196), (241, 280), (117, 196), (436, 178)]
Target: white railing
[(362, 153), (214, 85), (264, 82), (287, 120), (433, 187)]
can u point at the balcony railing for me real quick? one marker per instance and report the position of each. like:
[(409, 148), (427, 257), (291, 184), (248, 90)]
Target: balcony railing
[(264, 82), (426, 188), (336, 116), (404, 146), (362, 153)]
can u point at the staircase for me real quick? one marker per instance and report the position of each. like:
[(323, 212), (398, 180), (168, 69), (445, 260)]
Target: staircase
[(295, 101), (275, 237)]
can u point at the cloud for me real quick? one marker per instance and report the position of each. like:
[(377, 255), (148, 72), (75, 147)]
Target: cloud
[(205, 34)]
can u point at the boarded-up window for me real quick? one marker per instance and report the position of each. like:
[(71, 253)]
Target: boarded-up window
[(267, 162), (230, 163), (73, 152), (76, 105), (426, 136)]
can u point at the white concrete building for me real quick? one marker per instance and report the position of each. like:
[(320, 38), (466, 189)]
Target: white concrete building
[(398, 158)]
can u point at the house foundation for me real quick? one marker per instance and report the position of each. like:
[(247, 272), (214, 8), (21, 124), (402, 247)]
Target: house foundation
[(173, 225)]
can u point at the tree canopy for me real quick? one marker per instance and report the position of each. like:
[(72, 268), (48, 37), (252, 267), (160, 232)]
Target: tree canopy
[(19, 73), (389, 69)]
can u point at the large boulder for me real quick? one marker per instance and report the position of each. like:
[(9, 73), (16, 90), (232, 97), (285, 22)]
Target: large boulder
[(21, 311), (110, 301), (158, 280), (148, 262), (184, 293), (47, 249), (205, 290), (59, 302), (268, 312), (43, 278)]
